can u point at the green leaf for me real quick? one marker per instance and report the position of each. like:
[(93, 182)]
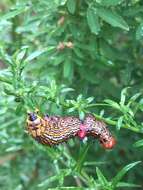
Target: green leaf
[(71, 109), (13, 13), (80, 97), (6, 79), (133, 11), (21, 55), (138, 143), (109, 2), (112, 104), (108, 51), (102, 180), (35, 54), (78, 53), (82, 156), (9, 90), (135, 96), (113, 18), (139, 32), (71, 5), (81, 115), (68, 69), (94, 163), (122, 172), (63, 173), (47, 181), (124, 184), (119, 123), (93, 21), (66, 188), (61, 2), (7, 58), (65, 90), (90, 99), (13, 148), (59, 59), (123, 96)]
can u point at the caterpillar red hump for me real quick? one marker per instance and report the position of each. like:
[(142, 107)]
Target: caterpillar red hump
[(53, 130)]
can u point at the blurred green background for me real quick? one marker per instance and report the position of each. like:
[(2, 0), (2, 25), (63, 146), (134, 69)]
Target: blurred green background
[(69, 57)]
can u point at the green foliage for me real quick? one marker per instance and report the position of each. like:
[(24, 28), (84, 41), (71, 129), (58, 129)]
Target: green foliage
[(71, 57)]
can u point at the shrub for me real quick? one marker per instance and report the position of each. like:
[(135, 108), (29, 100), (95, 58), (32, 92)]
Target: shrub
[(71, 57)]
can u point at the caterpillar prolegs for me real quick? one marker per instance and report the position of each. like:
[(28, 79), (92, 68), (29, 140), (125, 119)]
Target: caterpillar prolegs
[(53, 130)]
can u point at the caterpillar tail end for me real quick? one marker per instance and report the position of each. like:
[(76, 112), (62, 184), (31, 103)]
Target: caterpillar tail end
[(109, 144)]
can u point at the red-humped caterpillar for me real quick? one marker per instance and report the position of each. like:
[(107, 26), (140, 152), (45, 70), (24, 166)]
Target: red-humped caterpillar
[(53, 130)]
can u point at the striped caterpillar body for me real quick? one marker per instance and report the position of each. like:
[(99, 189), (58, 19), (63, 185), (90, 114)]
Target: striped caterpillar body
[(53, 130)]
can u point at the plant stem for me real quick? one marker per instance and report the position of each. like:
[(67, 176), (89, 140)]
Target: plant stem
[(97, 104), (114, 123)]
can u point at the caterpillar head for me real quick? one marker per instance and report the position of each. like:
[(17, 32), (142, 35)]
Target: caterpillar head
[(35, 124)]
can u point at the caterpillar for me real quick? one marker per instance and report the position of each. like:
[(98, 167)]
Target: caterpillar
[(53, 130)]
